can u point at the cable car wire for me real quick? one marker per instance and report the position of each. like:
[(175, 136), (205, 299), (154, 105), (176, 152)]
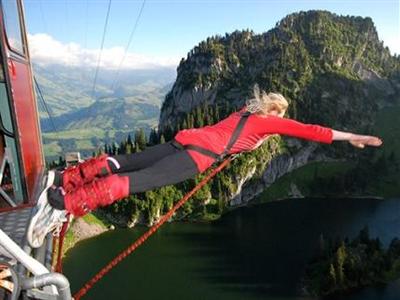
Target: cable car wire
[(86, 24), (101, 50), (128, 45), (42, 16), (44, 104), (67, 21)]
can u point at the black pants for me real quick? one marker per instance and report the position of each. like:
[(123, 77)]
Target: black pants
[(155, 167)]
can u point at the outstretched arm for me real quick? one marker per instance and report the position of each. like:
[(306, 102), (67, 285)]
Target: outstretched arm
[(317, 133), (357, 140)]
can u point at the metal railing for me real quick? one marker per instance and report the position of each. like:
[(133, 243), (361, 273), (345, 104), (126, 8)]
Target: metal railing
[(42, 277), (7, 158)]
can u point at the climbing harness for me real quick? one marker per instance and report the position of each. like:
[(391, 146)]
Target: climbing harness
[(218, 157)]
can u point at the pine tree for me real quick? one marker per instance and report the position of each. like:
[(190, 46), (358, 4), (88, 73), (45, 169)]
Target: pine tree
[(122, 148), (114, 149), (168, 133), (162, 139), (137, 148), (140, 139), (128, 148), (198, 117), (191, 120), (129, 139), (153, 139), (216, 116), (332, 277), (341, 255)]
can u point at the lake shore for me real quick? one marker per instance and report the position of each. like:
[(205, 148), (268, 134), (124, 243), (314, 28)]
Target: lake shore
[(87, 227), (83, 228)]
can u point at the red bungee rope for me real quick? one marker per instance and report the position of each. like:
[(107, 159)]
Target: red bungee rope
[(148, 233), (58, 267)]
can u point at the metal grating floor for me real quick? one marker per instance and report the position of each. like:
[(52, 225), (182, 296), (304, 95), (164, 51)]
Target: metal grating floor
[(14, 224)]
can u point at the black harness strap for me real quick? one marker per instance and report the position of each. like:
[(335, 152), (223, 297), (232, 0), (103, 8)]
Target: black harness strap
[(199, 149), (236, 133), (232, 141)]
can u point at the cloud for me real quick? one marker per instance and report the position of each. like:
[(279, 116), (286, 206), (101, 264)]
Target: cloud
[(45, 50)]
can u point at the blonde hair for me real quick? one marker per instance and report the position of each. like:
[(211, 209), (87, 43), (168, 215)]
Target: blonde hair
[(263, 102)]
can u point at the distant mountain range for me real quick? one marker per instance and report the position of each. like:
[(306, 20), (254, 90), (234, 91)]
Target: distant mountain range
[(114, 107), (68, 89)]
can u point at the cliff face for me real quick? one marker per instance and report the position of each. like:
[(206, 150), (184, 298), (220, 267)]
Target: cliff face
[(277, 167), (333, 69)]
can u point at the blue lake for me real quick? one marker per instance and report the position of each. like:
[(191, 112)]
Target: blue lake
[(257, 252)]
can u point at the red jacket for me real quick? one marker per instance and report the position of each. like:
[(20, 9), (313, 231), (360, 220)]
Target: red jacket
[(255, 131)]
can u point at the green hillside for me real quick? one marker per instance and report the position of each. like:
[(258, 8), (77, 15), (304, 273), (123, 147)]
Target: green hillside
[(335, 72), (84, 122)]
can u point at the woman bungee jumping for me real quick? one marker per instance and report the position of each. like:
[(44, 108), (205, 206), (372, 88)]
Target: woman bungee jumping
[(103, 180)]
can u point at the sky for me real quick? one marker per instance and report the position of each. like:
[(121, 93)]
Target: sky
[(70, 31)]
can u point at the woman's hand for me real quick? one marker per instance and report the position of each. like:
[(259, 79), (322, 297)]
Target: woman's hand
[(357, 140), (360, 141)]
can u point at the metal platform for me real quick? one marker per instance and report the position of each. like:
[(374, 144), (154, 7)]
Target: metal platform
[(14, 224), (33, 280)]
